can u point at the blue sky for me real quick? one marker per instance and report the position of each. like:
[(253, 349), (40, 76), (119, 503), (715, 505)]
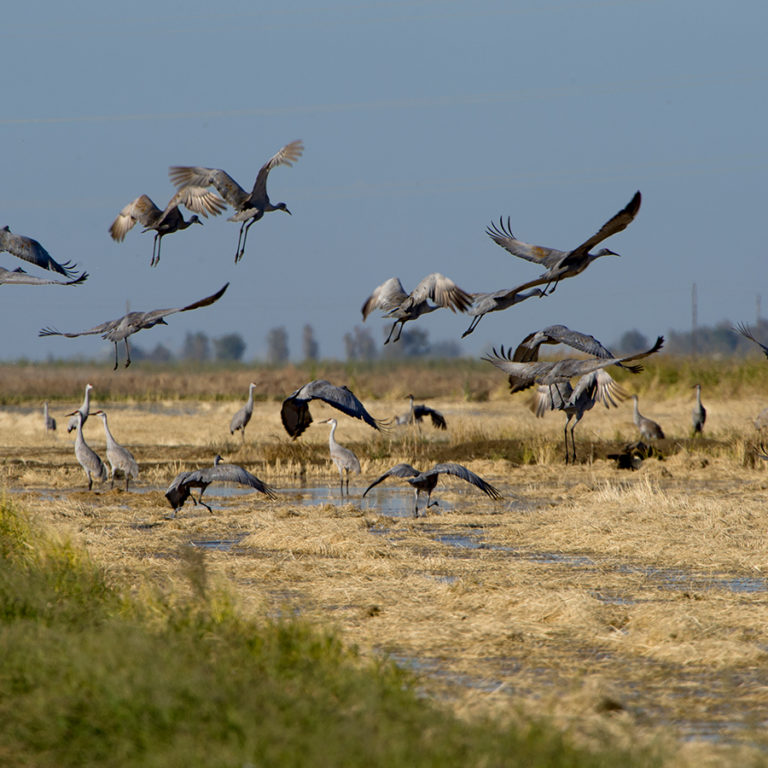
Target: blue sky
[(422, 122)]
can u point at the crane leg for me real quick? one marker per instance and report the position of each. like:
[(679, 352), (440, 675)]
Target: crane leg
[(127, 352), (90, 480), (200, 501), (416, 503), (237, 248), (573, 438), (155, 251), (391, 331), (115, 368), (475, 320), (565, 435)]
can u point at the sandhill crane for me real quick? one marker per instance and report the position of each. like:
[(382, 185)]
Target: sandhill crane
[(699, 413), (344, 459), (425, 482), (249, 207), (125, 326), (168, 220), (295, 414), (19, 277), (391, 298), (649, 429), (181, 487), (744, 331), (595, 387), (30, 250), (48, 420), (88, 458), (524, 375), (119, 457), (417, 412), (563, 264), (495, 302), (83, 410), (243, 416)]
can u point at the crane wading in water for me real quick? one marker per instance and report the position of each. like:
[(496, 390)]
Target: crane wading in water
[(344, 459)]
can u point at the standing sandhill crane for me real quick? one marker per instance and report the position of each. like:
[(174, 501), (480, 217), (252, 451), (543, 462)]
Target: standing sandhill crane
[(649, 429), (595, 387), (243, 416), (495, 302), (83, 410), (48, 420), (119, 457), (295, 414), (19, 277), (125, 326), (425, 482), (699, 413), (249, 207), (88, 458), (563, 264), (344, 459), (181, 487), (391, 298), (417, 412), (167, 221), (30, 250)]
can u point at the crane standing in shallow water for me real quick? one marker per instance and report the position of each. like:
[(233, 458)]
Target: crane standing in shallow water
[(344, 459), (119, 457), (88, 458)]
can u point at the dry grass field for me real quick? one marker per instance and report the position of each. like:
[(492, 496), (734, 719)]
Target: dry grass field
[(633, 603)]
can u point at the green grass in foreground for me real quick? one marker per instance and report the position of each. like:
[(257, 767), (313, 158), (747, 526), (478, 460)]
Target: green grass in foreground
[(91, 677)]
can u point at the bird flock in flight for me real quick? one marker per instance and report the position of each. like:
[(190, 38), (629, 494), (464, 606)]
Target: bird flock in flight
[(552, 380)]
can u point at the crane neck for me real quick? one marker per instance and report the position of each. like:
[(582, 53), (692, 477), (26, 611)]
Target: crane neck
[(331, 437)]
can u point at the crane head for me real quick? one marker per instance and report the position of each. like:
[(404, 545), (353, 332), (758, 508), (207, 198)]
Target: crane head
[(282, 207)]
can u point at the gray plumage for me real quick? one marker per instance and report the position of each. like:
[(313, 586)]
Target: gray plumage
[(19, 277), (699, 413), (243, 416), (84, 410), (344, 459), (30, 250), (119, 457), (483, 303), (595, 387), (391, 298), (249, 208), (181, 487), (563, 264), (295, 414), (418, 412), (425, 482), (123, 327), (89, 460), (168, 220), (649, 429), (48, 420)]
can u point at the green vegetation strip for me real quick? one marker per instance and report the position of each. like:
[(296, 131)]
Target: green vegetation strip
[(93, 677)]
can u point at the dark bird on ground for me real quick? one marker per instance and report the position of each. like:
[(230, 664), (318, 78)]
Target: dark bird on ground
[(649, 429), (425, 482), (243, 416), (89, 460), (19, 277), (699, 413), (30, 250), (181, 487), (418, 412), (119, 457), (494, 302), (344, 459), (563, 264), (125, 326), (168, 220), (391, 298), (295, 413), (50, 422), (249, 208)]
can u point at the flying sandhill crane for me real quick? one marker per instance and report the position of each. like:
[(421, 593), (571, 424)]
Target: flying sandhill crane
[(391, 298), (168, 220), (699, 413), (563, 264), (295, 414), (344, 459), (84, 410), (243, 416), (595, 387), (495, 302), (88, 458), (49, 421), (417, 412), (125, 326), (649, 429), (19, 277), (744, 331), (425, 482), (181, 487), (249, 208), (119, 457), (30, 250)]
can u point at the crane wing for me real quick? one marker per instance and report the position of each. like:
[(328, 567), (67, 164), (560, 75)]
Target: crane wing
[(197, 199), (30, 250), (197, 176), (460, 471), (19, 277), (747, 334), (141, 209), (502, 235), (399, 470), (438, 420), (389, 295), (232, 473), (288, 155), (442, 291), (155, 315)]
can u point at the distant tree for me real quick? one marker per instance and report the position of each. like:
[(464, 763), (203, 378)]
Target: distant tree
[(196, 347), (229, 347), (309, 344), (445, 349), (277, 345), (632, 341), (359, 344), (414, 343), (160, 354)]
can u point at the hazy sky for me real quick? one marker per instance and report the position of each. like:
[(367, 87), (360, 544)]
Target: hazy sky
[(423, 122)]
